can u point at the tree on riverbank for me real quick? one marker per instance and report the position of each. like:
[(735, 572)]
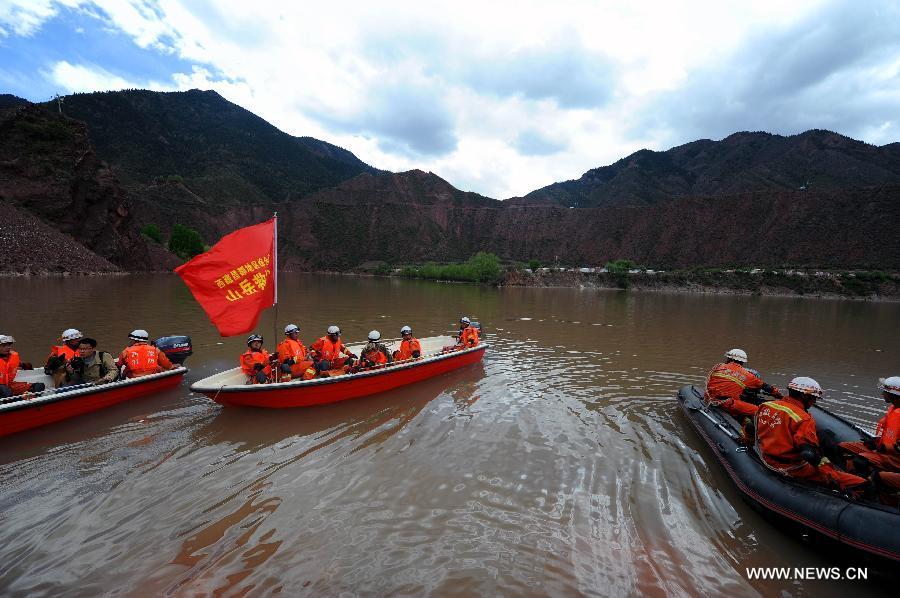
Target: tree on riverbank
[(482, 267), (185, 242)]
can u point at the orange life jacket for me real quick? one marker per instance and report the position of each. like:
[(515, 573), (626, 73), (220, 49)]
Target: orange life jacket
[(375, 356), (291, 349), (251, 358), (469, 336), (888, 430), (63, 351), (407, 348), (782, 426), (327, 349), (9, 365), (728, 381), (143, 359)]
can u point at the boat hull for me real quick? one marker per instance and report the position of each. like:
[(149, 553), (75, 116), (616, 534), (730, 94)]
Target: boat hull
[(340, 388), (862, 525), (30, 414)]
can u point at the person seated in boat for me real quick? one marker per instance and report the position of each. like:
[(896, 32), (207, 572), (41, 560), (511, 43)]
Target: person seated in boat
[(9, 367), (410, 347), (90, 366), (468, 334), (256, 363), (787, 442), (731, 386), (329, 352), (292, 356), (140, 358), (61, 354), (375, 353), (881, 452)]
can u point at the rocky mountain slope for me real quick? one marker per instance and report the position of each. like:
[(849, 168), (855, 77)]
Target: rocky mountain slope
[(740, 163), (50, 173), (196, 159)]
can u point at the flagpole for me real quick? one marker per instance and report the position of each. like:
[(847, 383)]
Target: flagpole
[(275, 275)]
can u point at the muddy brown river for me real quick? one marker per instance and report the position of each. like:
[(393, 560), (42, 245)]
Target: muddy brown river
[(560, 466)]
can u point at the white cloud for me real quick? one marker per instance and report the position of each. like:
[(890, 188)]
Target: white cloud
[(503, 97)]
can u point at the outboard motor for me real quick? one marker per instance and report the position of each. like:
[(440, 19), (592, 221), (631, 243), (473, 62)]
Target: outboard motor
[(176, 348)]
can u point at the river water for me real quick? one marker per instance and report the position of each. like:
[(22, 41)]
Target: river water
[(559, 466)]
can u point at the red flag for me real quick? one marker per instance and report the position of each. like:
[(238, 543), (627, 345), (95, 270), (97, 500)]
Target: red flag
[(235, 280)]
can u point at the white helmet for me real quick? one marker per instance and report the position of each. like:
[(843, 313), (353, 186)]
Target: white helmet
[(334, 329), (71, 334), (889, 385), (806, 385), (139, 335), (253, 338), (291, 328), (406, 330), (737, 355), (374, 336), (6, 339), (465, 320)]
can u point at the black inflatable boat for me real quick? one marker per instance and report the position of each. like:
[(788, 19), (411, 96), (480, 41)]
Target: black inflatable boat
[(863, 525)]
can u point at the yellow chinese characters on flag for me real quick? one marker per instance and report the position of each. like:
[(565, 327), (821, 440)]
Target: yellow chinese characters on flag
[(235, 280)]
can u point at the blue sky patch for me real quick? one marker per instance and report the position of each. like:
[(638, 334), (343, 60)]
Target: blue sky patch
[(80, 40)]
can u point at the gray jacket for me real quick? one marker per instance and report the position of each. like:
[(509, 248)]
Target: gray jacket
[(101, 370)]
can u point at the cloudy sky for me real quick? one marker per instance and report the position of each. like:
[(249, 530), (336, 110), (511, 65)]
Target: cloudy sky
[(496, 97)]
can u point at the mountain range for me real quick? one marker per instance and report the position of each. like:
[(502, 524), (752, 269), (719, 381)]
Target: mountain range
[(98, 167)]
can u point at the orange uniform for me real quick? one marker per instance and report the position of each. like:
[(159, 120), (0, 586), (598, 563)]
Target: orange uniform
[(725, 384), (291, 349), (375, 356), (406, 349), (249, 360), (885, 457), (330, 351), (142, 360), (782, 428), (9, 366), (63, 351), (468, 337)]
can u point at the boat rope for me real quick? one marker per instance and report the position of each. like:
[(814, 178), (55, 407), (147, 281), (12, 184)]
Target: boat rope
[(218, 391)]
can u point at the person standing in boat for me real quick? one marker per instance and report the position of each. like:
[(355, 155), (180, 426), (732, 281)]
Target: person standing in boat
[(9, 367), (329, 351), (410, 347), (140, 358), (256, 362), (468, 334), (881, 452), (61, 354), (787, 442), (292, 355), (91, 366), (729, 384), (375, 353)]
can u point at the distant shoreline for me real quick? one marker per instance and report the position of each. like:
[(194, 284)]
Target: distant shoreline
[(728, 284)]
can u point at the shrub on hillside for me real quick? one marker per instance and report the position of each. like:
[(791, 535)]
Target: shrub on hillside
[(152, 232), (185, 242)]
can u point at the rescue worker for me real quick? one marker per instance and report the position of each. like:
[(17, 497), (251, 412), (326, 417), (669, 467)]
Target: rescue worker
[(9, 366), (730, 385), (786, 438), (140, 358), (329, 351), (410, 347), (375, 353), (468, 334), (60, 354), (91, 366), (292, 359), (881, 452), (256, 362)]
